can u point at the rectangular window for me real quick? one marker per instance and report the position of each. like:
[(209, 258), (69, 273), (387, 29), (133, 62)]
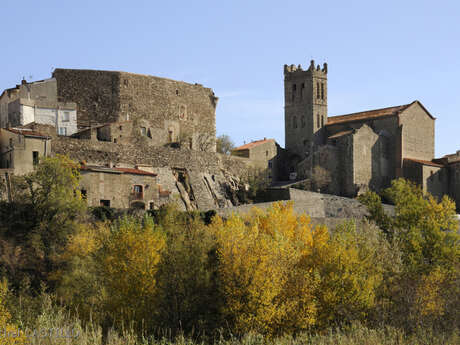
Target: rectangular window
[(270, 164), (138, 192), (105, 203), (35, 158), (84, 194), (62, 131), (143, 131), (66, 116)]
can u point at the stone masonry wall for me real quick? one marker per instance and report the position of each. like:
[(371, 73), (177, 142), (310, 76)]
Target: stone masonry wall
[(97, 94), (198, 180), (162, 110), (417, 133)]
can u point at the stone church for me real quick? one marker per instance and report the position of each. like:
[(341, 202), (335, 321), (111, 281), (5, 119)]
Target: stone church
[(362, 150)]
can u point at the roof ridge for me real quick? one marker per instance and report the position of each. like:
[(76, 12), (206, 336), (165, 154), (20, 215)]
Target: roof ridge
[(405, 106)]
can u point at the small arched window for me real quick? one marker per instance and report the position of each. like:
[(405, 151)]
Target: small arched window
[(317, 91), (317, 120), (322, 90), (322, 121), (294, 90)]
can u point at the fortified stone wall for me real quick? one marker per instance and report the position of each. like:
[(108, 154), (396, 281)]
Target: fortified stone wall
[(97, 94), (100, 152), (162, 110)]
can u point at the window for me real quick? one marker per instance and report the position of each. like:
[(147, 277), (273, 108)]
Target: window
[(266, 153), (302, 87), (322, 121), (294, 122), (143, 131), (177, 92), (104, 203), (170, 136), (62, 131), (317, 119), (84, 194), (138, 191), (66, 116), (11, 142), (317, 91), (121, 128), (151, 205), (322, 90), (294, 90), (115, 140), (35, 158), (303, 121), (270, 164)]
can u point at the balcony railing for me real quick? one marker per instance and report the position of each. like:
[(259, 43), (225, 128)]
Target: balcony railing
[(137, 196)]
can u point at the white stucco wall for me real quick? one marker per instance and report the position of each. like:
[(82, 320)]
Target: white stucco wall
[(27, 114), (71, 125), (49, 116)]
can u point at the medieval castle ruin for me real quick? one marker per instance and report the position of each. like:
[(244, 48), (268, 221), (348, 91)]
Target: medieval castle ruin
[(143, 141)]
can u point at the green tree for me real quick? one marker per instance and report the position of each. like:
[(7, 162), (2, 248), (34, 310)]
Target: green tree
[(224, 144)]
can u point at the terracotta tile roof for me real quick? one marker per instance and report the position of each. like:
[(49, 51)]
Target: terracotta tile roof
[(135, 171), (117, 170), (28, 133), (420, 161), (340, 134), (369, 114), (252, 144)]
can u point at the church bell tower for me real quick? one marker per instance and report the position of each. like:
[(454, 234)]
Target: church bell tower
[(305, 110)]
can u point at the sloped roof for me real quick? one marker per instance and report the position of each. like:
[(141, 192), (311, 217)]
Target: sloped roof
[(340, 134), (252, 144), (117, 170), (372, 114), (135, 171), (28, 133), (423, 162)]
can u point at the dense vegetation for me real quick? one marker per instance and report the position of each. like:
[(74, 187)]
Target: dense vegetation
[(268, 277)]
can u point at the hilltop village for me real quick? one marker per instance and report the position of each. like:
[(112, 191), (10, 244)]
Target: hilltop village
[(143, 141)]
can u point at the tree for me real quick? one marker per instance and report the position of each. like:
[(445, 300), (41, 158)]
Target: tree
[(128, 261), (224, 144), (263, 281)]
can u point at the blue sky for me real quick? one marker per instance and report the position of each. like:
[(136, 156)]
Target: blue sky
[(379, 53)]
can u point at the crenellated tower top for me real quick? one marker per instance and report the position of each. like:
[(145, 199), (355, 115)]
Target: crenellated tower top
[(317, 71)]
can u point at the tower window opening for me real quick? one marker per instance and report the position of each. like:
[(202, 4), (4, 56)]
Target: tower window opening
[(317, 91), (294, 90), (317, 120), (322, 121), (322, 90), (303, 121), (294, 122), (302, 87)]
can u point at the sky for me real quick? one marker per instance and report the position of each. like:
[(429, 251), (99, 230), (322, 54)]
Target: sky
[(379, 53)]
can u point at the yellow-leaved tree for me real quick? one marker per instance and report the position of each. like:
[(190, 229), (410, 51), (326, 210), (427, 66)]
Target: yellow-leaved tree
[(127, 263), (265, 286)]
